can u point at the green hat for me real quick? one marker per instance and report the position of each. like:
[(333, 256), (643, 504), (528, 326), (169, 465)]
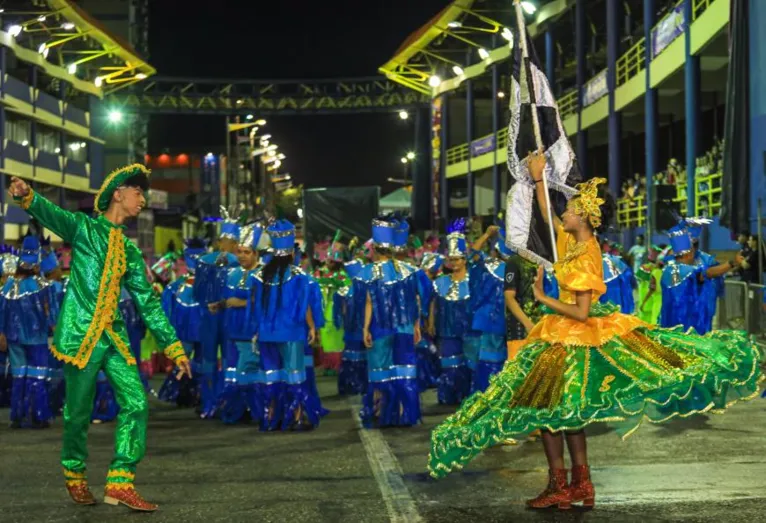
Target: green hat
[(117, 179)]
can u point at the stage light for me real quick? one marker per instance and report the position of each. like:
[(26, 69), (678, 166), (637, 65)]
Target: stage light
[(507, 34), (249, 117), (141, 76), (434, 81), (15, 30), (458, 70), (410, 155), (115, 116), (500, 94), (455, 24), (403, 115), (483, 53), (25, 143), (67, 26), (72, 68), (529, 7), (403, 159), (98, 81), (42, 48)]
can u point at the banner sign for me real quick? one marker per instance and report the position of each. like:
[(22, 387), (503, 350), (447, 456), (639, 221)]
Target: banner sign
[(669, 28), (595, 89), (483, 145)]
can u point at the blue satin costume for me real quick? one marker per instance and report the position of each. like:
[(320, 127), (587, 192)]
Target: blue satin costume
[(620, 282), (489, 321)]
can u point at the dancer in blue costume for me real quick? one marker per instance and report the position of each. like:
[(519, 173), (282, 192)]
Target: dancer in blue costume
[(243, 394), (25, 320), (712, 287), (185, 315), (429, 362), (386, 294), (9, 260), (450, 318), (136, 328), (619, 280), (51, 271), (488, 289), (209, 282), (352, 377), (682, 282), (284, 323)]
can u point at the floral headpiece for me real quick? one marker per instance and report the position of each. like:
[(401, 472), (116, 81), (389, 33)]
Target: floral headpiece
[(587, 204)]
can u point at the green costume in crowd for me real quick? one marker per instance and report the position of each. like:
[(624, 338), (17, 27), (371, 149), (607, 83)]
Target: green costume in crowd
[(91, 335)]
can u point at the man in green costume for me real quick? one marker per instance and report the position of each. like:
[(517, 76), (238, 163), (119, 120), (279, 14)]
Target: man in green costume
[(90, 333)]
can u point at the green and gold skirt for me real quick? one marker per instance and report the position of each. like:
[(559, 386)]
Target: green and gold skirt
[(627, 373)]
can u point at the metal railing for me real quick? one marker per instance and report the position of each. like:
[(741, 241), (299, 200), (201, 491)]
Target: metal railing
[(708, 194), (460, 153), (631, 212), (631, 62), (568, 104), (742, 307), (699, 6)]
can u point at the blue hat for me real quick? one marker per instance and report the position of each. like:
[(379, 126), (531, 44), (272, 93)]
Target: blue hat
[(432, 262), (456, 244), (694, 226), (401, 235), (195, 247), (383, 232), (502, 247), (282, 235), (680, 240), (49, 262), (250, 235), (30, 251), (230, 228)]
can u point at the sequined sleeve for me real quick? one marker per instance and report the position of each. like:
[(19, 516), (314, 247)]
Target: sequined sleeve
[(63, 223), (148, 304)]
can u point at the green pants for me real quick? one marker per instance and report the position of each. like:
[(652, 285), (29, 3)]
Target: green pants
[(130, 433)]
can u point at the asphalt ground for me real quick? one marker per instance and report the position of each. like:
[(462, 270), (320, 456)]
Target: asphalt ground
[(699, 469)]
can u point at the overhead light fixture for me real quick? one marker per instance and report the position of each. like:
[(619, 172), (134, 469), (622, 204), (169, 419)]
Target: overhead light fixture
[(483, 53), (410, 155), (141, 76), (458, 70), (500, 94), (57, 150), (403, 115), (72, 68), (507, 34), (15, 30), (2, 10), (249, 117), (83, 145), (265, 137), (240, 101), (115, 116), (272, 147), (45, 52), (529, 7), (261, 122), (280, 156), (404, 159), (25, 143), (41, 18), (42, 48), (67, 26), (455, 24), (98, 81), (434, 81), (277, 164)]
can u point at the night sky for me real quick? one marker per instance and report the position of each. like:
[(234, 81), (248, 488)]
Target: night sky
[(291, 39)]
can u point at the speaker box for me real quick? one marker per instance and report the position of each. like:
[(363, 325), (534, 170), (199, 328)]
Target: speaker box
[(664, 209)]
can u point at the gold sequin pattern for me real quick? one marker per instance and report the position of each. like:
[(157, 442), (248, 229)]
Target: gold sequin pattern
[(543, 386)]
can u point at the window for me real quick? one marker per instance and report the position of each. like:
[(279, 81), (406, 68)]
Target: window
[(48, 140), (76, 149), (17, 129)]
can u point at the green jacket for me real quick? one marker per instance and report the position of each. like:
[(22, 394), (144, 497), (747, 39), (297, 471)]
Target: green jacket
[(103, 260)]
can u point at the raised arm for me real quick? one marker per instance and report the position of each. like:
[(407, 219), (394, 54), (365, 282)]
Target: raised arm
[(536, 164), (63, 223), (150, 309)]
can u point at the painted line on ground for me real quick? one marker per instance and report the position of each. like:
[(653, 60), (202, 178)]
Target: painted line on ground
[(400, 506)]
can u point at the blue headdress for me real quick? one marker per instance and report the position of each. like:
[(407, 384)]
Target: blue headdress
[(680, 240), (30, 252), (250, 235), (230, 227), (383, 231), (456, 244), (282, 236), (432, 262), (694, 226), (195, 247)]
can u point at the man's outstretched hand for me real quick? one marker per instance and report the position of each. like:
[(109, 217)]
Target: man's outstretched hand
[(18, 187), (184, 368)]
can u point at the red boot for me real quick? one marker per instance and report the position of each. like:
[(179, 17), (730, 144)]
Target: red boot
[(581, 488), (79, 492), (126, 495), (556, 493)]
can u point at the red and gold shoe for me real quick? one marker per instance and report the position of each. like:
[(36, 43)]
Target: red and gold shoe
[(79, 492), (126, 494), (581, 489), (555, 494)]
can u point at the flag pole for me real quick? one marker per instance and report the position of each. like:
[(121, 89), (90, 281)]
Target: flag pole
[(535, 123)]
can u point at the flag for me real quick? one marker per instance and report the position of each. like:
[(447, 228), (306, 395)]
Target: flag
[(531, 95), (735, 185)]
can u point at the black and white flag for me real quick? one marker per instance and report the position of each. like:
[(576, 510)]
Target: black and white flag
[(526, 231)]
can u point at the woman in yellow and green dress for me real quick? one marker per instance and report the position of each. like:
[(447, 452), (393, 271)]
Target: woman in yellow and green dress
[(585, 362)]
